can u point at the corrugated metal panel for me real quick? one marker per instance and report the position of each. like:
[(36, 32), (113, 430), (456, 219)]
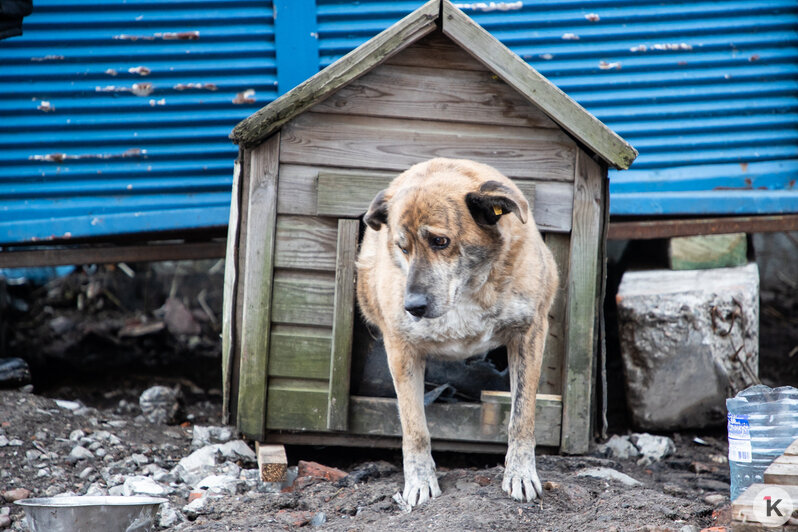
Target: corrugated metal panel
[(705, 90), (116, 113)]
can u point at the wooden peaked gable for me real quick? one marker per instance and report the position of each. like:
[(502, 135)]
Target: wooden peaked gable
[(460, 28)]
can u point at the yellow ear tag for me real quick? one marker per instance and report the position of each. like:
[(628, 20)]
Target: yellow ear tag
[(497, 210)]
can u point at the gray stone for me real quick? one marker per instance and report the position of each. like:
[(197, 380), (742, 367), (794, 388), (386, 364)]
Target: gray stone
[(76, 435), (168, 516), (220, 485), (33, 455), (606, 473), (3, 441), (199, 506), (80, 453), (67, 405), (715, 499), (139, 485), (652, 448), (680, 332), (15, 443), (96, 488), (116, 491), (160, 404), (619, 447), (209, 435), (198, 465), (319, 519), (140, 459), (86, 472), (238, 450)]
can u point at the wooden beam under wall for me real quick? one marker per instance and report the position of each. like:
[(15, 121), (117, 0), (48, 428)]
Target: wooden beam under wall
[(343, 320), (257, 294), (581, 313)]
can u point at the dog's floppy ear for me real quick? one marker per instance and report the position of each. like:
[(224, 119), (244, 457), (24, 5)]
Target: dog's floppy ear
[(377, 215), (493, 200)]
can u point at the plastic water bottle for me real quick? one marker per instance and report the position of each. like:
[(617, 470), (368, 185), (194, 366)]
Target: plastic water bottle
[(762, 423)]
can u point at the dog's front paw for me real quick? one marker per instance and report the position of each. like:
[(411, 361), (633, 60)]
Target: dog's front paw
[(521, 480), (421, 484)]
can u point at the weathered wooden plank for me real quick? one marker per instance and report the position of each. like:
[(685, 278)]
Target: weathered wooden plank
[(396, 144), (300, 352), (343, 319), (707, 251), (438, 93), (792, 450), (257, 295), (581, 306), (554, 351), (303, 298), (298, 194), (783, 470), (504, 397), (305, 242), (454, 421), (535, 87), (378, 442), (229, 295), (241, 255), (436, 50), (297, 405), (742, 508), (258, 126)]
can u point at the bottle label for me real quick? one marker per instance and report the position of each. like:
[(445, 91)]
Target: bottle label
[(739, 439)]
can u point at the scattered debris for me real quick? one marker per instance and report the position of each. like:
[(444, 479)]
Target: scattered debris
[(317, 470), (652, 448), (204, 436), (160, 404), (14, 372), (606, 473), (619, 447), (179, 320)]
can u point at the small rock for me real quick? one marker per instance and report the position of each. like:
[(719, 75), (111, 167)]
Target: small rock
[(194, 495), (86, 472), (80, 453), (199, 507), (67, 405), (715, 499), (160, 404), (139, 485), (61, 324), (318, 519), (700, 467), (16, 494), (220, 485), (140, 459), (3, 441), (76, 435), (238, 450), (15, 443), (673, 489), (209, 435), (652, 448), (484, 480), (96, 488), (606, 473), (32, 455), (619, 447), (316, 470), (116, 491), (168, 516), (293, 518), (549, 485), (465, 485), (5, 521)]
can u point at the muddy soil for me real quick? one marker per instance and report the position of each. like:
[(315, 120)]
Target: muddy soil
[(671, 495)]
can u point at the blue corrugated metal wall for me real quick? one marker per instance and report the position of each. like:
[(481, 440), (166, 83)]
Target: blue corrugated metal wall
[(706, 91), (115, 113)]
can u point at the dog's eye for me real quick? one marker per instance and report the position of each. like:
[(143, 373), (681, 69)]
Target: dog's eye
[(404, 250), (438, 242)]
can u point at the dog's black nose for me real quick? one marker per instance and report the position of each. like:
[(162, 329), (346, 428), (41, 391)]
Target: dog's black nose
[(416, 304)]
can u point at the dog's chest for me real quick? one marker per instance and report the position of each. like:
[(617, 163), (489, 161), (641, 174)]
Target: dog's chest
[(467, 329)]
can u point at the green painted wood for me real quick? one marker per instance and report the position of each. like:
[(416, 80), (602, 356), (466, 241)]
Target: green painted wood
[(261, 124), (343, 318), (229, 295), (487, 422), (297, 405), (300, 352), (708, 251), (303, 298), (536, 88), (582, 305), (344, 194), (257, 293), (305, 242)]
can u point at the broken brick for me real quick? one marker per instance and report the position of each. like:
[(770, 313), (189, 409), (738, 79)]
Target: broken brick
[(16, 494), (317, 470)]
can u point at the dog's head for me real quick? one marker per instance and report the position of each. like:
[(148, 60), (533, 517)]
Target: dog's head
[(445, 224)]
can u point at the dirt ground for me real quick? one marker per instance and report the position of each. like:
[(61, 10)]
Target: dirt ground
[(671, 495)]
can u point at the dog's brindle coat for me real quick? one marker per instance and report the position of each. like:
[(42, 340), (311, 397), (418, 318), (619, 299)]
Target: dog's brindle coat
[(451, 266)]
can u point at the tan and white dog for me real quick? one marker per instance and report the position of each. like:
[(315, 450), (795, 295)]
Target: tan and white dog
[(452, 265)]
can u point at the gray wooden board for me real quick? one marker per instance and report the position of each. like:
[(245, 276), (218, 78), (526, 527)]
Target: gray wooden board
[(230, 280), (581, 306), (554, 353), (416, 25), (396, 144), (742, 508), (435, 93), (300, 186), (343, 321), (435, 50), (257, 295), (305, 242), (303, 298), (454, 421)]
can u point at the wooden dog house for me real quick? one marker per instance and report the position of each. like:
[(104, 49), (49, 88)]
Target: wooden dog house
[(433, 84)]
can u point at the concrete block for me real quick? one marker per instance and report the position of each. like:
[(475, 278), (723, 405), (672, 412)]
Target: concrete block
[(689, 339), (705, 252)]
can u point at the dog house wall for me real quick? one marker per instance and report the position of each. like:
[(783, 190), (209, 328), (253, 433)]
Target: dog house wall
[(297, 200)]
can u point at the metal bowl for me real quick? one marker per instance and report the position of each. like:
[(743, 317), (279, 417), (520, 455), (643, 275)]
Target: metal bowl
[(91, 513)]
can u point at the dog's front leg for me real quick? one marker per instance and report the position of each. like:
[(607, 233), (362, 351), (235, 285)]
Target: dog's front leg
[(525, 356), (407, 369)]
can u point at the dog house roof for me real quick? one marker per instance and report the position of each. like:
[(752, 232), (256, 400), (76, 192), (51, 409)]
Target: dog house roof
[(441, 15)]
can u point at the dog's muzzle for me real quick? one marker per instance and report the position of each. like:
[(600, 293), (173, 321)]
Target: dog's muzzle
[(416, 304)]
